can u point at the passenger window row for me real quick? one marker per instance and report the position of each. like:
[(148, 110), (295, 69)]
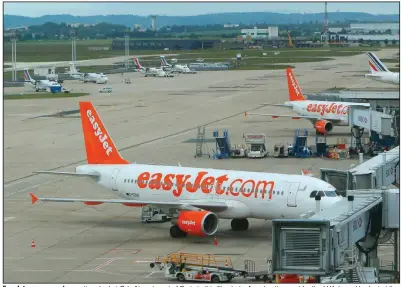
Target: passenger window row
[(225, 188)]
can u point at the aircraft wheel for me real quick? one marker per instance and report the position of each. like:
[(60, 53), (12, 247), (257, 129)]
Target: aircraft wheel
[(239, 224), (176, 232)]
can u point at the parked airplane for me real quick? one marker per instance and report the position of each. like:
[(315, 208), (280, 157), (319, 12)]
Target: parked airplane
[(322, 114), (379, 72), (175, 68), (42, 85), (194, 197), (87, 77), (152, 71)]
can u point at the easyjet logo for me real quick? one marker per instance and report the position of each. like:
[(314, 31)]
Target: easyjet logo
[(188, 222), (294, 83), (102, 137), (222, 185), (327, 109)]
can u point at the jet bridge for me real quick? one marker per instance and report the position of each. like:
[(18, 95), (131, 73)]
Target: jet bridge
[(381, 170), (324, 243)]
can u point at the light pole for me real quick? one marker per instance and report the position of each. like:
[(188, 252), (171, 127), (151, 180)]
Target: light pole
[(73, 46), (14, 55), (127, 36)]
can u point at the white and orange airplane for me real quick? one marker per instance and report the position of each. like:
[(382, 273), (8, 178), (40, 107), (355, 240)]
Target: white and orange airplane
[(323, 114), (194, 197)]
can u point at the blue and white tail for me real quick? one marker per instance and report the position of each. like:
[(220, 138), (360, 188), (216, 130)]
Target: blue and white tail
[(27, 77), (163, 61), (375, 64)]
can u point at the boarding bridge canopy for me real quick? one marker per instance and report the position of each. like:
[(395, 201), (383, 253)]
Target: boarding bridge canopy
[(381, 170), (371, 120), (321, 244)]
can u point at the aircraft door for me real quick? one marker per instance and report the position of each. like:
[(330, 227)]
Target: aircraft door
[(292, 194), (114, 178)]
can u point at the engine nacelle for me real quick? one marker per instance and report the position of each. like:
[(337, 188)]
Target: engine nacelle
[(323, 126), (198, 223)]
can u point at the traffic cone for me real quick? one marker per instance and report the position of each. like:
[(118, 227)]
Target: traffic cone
[(215, 241), (33, 243)]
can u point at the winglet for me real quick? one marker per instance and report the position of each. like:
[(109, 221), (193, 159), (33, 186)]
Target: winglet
[(33, 198), (306, 172)]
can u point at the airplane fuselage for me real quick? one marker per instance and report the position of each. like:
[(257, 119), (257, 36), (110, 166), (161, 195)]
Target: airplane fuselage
[(385, 77), (248, 194), (335, 112)]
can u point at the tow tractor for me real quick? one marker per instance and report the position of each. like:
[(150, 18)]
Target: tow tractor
[(256, 145), (205, 268), (150, 214)]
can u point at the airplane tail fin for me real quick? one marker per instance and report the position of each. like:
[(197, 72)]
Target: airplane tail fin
[(163, 61), (306, 172), (375, 64), (27, 77), (99, 146), (294, 89), (137, 62)]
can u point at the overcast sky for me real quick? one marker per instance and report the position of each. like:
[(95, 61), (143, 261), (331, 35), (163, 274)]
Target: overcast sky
[(184, 9)]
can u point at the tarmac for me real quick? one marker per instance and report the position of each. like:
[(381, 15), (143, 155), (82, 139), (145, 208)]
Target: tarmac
[(150, 121)]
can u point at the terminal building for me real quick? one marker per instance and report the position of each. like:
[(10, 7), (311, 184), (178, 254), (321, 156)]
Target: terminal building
[(260, 34), (152, 44), (364, 28)]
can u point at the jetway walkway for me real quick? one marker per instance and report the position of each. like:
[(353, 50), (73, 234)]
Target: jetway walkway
[(381, 170), (334, 240)]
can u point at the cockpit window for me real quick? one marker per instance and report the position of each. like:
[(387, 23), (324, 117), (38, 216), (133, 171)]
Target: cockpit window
[(330, 193), (320, 193)]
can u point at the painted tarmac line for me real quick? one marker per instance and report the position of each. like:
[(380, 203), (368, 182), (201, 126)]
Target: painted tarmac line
[(28, 270), (8, 218), (148, 276), (104, 264), (33, 186)]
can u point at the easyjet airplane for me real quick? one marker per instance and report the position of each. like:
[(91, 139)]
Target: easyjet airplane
[(322, 114), (195, 197)]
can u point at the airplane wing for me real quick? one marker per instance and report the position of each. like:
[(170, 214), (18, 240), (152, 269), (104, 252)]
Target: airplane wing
[(286, 116), (214, 206)]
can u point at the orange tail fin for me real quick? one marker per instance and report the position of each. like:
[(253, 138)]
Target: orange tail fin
[(294, 90), (98, 144)]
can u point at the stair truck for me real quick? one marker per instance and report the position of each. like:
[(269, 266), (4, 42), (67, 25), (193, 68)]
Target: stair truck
[(256, 145)]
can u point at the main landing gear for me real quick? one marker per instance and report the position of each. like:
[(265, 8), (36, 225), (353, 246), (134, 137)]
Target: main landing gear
[(239, 224), (176, 232)]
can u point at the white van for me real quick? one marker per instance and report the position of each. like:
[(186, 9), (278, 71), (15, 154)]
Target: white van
[(105, 90)]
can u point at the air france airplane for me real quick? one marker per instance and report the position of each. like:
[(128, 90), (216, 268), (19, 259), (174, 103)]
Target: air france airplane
[(42, 85), (379, 72), (195, 198), (184, 69), (151, 71), (322, 114)]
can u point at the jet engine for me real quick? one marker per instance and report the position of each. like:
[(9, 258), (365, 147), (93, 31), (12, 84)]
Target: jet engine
[(323, 126), (198, 223)]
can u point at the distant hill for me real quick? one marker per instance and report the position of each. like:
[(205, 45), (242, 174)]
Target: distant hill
[(11, 21)]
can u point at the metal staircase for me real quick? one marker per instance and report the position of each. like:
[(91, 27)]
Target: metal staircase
[(200, 143)]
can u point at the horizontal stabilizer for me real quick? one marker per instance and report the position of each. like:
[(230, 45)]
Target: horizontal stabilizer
[(276, 105), (93, 174)]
